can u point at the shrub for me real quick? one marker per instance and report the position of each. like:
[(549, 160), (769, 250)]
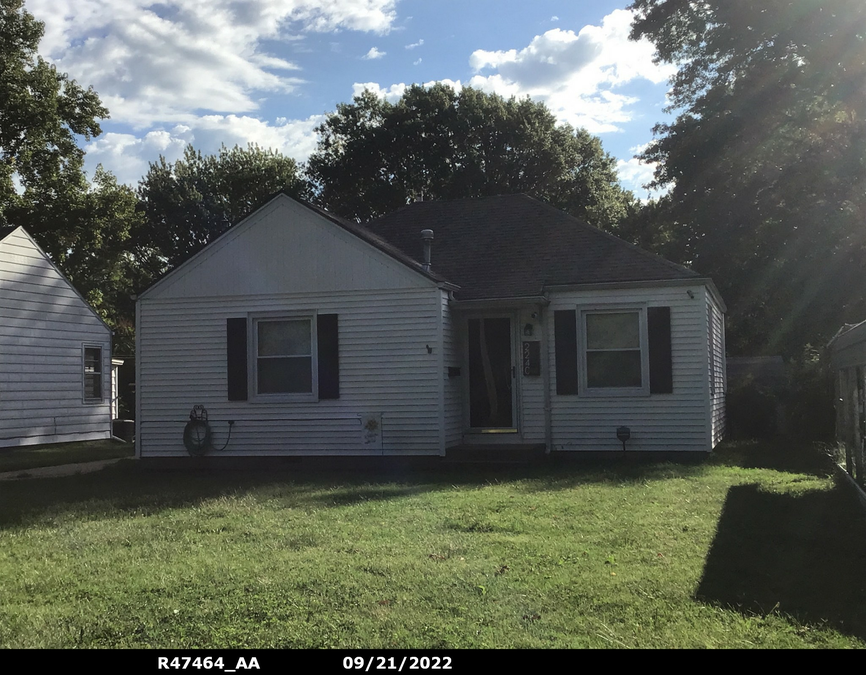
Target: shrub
[(809, 407), (751, 412)]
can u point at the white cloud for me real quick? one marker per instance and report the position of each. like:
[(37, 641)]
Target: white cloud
[(415, 44), (554, 18), (415, 63), (634, 174), (373, 54), (128, 156), (574, 74), (172, 60), (392, 93)]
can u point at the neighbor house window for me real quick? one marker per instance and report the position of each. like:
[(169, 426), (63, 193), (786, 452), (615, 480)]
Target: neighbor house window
[(284, 356), (614, 351), (93, 374)]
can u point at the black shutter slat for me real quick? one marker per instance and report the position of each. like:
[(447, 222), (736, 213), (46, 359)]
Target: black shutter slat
[(660, 360), (565, 338), (329, 356), (236, 358)]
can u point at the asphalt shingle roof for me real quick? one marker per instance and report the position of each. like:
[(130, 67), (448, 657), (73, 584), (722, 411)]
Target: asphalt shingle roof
[(514, 246)]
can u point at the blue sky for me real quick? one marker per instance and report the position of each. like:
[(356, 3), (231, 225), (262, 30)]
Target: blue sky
[(212, 72)]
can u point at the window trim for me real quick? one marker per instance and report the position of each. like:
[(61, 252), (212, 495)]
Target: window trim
[(584, 389), (84, 399), (253, 357)]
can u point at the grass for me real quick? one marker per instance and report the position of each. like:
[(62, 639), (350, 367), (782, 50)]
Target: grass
[(54, 454), (757, 547)]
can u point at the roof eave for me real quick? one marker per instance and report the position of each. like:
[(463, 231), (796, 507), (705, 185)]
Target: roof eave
[(515, 301), (645, 283)]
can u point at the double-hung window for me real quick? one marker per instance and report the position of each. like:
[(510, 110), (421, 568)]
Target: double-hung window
[(614, 352), (284, 349), (92, 367)]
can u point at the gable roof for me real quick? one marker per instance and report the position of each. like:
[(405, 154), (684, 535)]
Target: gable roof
[(6, 231), (513, 246), (371, 238), (354, 228)]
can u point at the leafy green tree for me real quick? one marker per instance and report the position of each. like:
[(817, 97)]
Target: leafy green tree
[(192, 201), (435, 143), (765, 161), (41, 113)]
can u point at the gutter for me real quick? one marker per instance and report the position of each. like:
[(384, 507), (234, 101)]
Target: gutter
[(502, 303), (649, 283)]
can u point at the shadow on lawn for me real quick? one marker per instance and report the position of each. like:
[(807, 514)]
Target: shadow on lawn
[(133, 487), (152, 487), (799, 554)]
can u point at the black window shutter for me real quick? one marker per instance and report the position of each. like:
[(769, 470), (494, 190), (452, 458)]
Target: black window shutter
[(565, 338), (236, 358), (660, 362), (329, 356)]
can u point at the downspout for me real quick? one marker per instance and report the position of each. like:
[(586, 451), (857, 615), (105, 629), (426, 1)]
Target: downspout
[(548, 425)]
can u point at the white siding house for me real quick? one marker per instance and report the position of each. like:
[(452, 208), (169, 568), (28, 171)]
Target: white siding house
[(55, 352), (848, 364), (302, 334)]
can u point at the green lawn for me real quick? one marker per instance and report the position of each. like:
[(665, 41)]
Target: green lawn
[(755, 548), (54, 454)]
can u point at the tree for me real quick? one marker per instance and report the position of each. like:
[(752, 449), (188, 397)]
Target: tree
[(435, 143), (764, 162), (82, 227), (41, 112), (191, 202)]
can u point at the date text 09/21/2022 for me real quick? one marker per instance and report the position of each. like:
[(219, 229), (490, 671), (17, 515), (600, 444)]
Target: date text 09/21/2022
[(397, 663)]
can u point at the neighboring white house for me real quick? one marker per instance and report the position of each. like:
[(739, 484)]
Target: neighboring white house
[(848, 363), (312, 335), (55, 352)]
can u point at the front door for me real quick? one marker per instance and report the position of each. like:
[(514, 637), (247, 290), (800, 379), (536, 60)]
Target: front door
[(491, 384)]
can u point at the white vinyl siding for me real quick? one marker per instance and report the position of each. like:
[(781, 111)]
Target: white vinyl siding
[(44, 326), (716, 369), (677, 421), (385, 368), (453, 382)]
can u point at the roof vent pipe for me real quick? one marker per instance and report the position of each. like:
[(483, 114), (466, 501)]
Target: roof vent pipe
[(427, 238)]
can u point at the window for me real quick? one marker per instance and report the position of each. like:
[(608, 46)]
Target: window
[(615, 354), (613, 351), (93, 374), (284, 356)]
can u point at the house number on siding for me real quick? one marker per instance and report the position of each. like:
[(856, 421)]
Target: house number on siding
[(532, 358)]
